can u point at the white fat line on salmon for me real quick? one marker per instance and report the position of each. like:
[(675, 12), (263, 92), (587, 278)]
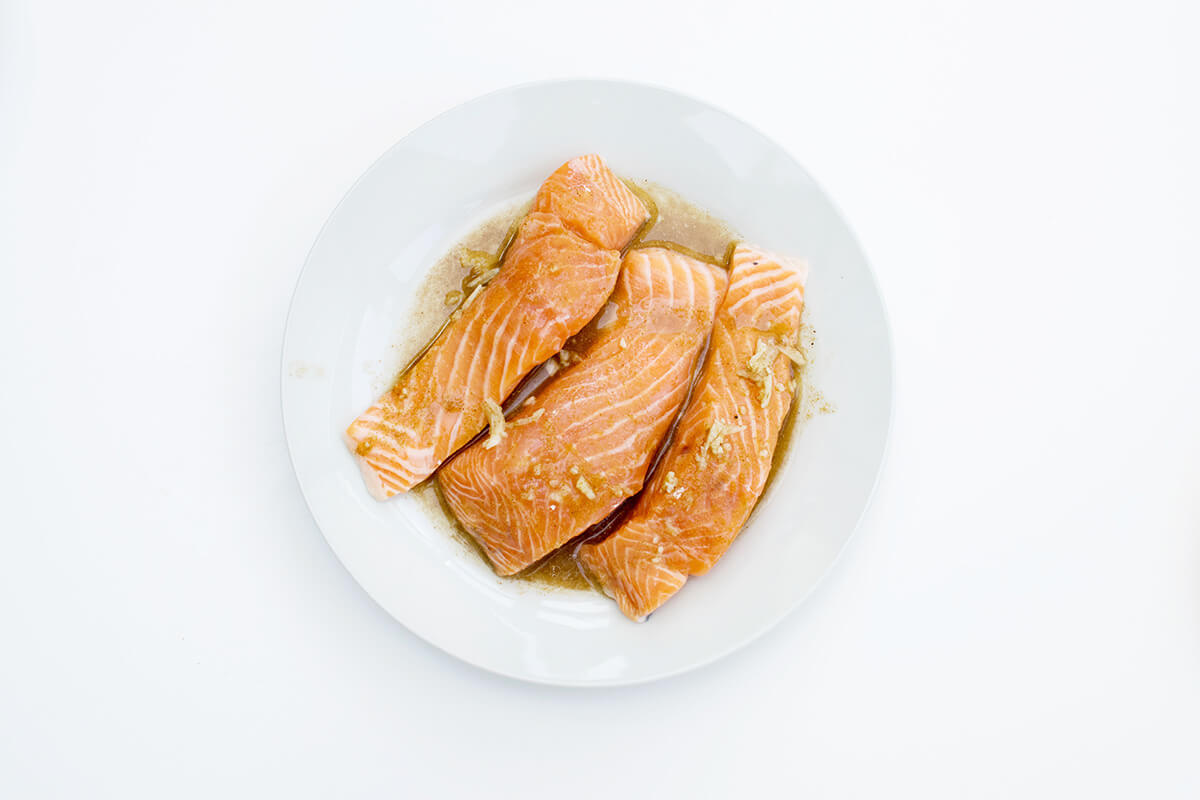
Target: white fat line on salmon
[(715, 442)]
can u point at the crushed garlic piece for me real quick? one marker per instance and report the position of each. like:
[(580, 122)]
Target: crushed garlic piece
[(585, 488), (476, 260), (574, 470), (764, 356), (495, 419), (566, 358), (715, 442), (759, 369), (795, 355), (534, 417), (669, 483), (483, 267)]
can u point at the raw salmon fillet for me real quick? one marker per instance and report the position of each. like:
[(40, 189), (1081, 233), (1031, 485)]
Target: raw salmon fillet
[(717, 463), (570, 457), (556, 275)]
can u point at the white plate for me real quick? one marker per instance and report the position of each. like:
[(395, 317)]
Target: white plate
[(356, 289)]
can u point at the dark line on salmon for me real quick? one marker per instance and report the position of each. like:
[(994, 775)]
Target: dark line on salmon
[(687, 251), (651, 220)]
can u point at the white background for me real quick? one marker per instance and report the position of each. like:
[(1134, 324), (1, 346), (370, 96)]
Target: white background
[(1018, 615)]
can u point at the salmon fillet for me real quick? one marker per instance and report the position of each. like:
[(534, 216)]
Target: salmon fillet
[(556, 274), (717, 463), (570, 457), (592, 201)]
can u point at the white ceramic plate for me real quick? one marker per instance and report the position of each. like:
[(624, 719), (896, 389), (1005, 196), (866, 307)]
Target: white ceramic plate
[(357, 287)]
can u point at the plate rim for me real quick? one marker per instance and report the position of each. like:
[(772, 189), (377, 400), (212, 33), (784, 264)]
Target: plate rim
[(772, 620)]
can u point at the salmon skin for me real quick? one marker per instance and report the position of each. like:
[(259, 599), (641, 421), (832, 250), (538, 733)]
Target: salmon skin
[(556, 274), (714, 470), (583, 445)]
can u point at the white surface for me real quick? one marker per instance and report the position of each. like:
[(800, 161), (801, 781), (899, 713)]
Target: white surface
[(357, 292), (1018, 616)]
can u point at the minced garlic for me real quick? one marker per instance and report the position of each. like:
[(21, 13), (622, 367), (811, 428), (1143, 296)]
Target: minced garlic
[(715, 442), (795, 355), (583, 486), (759, 369), (482, 267), (477, 261), (764, 356), (495, 419), (534, 417), (669, 482)]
